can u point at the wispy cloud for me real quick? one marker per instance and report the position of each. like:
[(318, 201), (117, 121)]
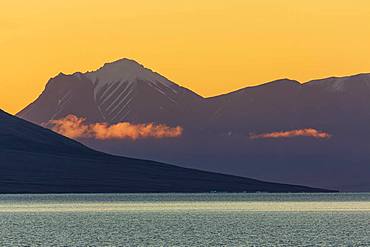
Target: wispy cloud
[(75, 127), (310, 132)]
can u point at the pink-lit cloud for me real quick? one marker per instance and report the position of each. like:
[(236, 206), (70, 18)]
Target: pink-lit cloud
[(309, 132), (75, 127)]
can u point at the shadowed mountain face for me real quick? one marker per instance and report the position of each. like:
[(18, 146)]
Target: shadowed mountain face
[(217, 130), (37, 160)]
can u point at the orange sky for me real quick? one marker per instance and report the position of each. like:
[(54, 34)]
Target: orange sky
[(210, 46)]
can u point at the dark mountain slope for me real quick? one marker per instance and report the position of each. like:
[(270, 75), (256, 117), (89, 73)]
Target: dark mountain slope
[(36, 160)]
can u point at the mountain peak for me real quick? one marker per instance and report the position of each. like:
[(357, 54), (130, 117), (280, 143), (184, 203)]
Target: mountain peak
[(282, 82), (125, 70), (275, 85), (123, 64)]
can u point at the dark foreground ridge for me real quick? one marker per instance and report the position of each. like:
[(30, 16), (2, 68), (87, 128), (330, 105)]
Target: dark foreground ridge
[(37, 160)]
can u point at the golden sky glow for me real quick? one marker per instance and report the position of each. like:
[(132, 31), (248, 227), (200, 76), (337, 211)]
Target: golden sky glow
[(210, 46)]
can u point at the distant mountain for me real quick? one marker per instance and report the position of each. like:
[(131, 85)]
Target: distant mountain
[(120, 91), (217, 129), (37, 160)]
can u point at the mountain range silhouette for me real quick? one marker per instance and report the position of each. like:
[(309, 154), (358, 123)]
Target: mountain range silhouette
[(217, 129)]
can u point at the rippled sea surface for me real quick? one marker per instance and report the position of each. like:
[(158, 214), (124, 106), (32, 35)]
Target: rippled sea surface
[(185, 220)]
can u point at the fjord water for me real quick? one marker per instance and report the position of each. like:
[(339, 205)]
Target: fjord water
[(185, 220)]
